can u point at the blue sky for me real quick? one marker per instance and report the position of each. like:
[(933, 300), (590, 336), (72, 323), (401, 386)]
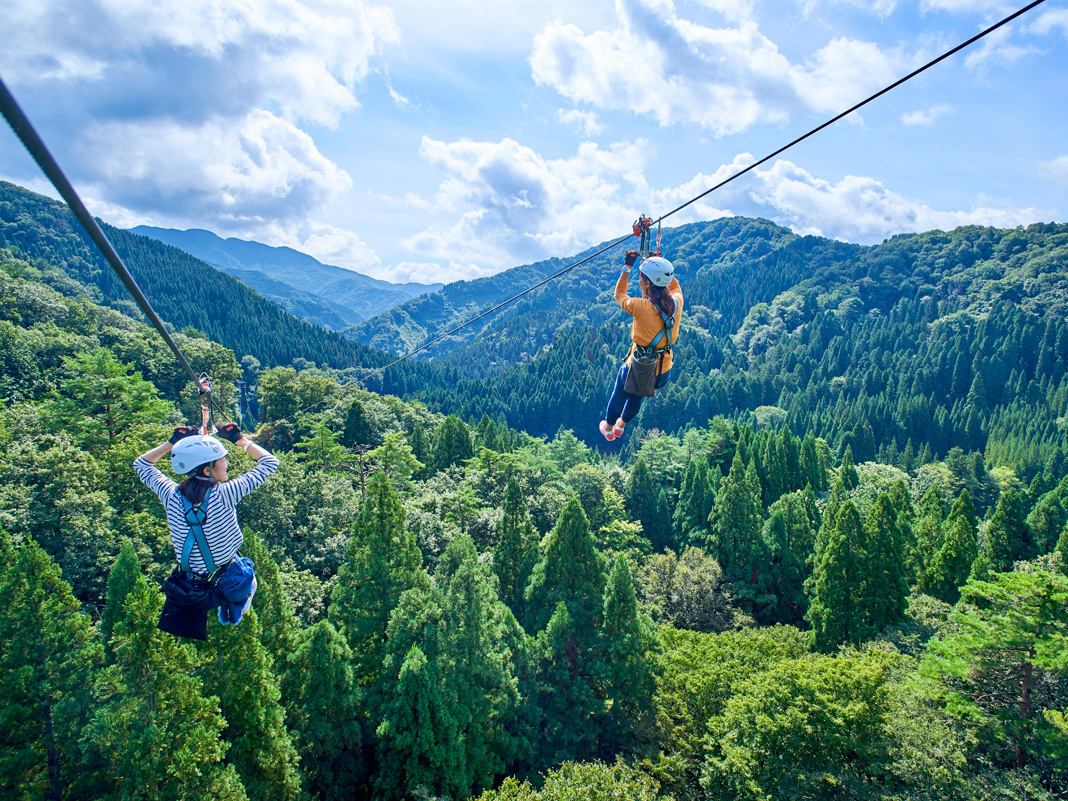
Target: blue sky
[(438, 141)]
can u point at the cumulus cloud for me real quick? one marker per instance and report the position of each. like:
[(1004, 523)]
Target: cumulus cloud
[(1051, 20), (194, 109), (926, 116), (516, 206), (726, 79), (1056, 169)]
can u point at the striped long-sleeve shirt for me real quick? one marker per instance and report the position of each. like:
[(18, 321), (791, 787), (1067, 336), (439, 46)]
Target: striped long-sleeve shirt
[(220, 529)]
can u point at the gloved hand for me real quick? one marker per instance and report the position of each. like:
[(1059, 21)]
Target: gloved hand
[(231, 432), (632, 256), (181, 433)]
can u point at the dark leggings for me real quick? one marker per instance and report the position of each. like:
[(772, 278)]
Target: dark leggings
[(623, 404)]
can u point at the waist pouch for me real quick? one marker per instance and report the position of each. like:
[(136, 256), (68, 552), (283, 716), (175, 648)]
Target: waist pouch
[(641, 377), (185, 611)]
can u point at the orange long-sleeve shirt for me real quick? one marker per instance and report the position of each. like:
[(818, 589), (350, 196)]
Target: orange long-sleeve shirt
[(647, 321)]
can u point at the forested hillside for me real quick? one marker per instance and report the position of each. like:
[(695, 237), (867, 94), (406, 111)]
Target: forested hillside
[(772, 598), (294, 280)]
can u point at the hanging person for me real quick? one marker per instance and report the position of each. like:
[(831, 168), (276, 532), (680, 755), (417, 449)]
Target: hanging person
[(654, 331), (202, 518)]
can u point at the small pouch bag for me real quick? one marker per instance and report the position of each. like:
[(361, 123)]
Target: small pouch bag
[(641, 377)]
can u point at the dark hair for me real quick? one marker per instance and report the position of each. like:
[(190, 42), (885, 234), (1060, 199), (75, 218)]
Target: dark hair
[(661, 298), (195, 489)]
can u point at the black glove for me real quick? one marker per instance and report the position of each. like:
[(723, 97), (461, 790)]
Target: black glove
[(231, 432), (181, 433), (632, 256)]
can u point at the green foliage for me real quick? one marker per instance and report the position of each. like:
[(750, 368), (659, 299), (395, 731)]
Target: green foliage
[(687, 591), (1008, 538), (49, 659), (124, 575), (1011, 639), (357, 431), (452, 444), (582, 781), (516, 553), (835, 612)]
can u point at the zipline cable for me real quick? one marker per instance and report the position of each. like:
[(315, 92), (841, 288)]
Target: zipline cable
[(25, 131), (739, 174)]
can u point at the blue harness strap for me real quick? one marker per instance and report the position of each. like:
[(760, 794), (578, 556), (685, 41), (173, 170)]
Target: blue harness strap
[(196, 516)]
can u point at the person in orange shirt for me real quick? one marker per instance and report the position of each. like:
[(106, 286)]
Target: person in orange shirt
[(657, 314)]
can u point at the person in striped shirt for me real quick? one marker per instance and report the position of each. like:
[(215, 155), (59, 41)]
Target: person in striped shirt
[(203, 459)]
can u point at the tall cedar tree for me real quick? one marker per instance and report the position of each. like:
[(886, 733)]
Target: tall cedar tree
[(1008, 538), (452, 444), (1046, 522), (847, 473), (570, 571), (641, 495), (319, 687), (1008, 641), (357, 430), (274, 610), (811, 468), (835, 610), (696, 500), (885, 590), (121, 580), (736, 522), (153, 728), (49, 657), (929, 535), (382, 561), (517, 549), (786, 577), (628, 646), (952, 564)]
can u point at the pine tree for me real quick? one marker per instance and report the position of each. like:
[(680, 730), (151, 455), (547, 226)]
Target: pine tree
[(153, 728), (238, 671), (571, 571), (327, 712), (627, 647), (123, 576), (49, 659), (835, 610), (382, 561), (517, 549)]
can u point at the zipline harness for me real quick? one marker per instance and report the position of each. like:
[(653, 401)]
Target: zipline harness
[(25, 131)]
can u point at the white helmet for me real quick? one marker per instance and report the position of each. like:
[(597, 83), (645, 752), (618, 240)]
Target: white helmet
[(192, 452), (657, 269)]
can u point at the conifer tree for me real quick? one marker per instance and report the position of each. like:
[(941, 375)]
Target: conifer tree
[(238, 671), (847, 473), (736, 520), (835, 610), (420, 446), (952, 564), (660, 535), (641, 496), (627, 644), (1062, 549), (382, 561), (123, 576), (885, 590), (696, 500), (49, 659), (274, 610), (1046, 522), (452, 444), (811, 468), (153, 728), (785, 571), (327, 712), (1008, 538), (517, 549), (357, 430), (929, 534), (571, 571)]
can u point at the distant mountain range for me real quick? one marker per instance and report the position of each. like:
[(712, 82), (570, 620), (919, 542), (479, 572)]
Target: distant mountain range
[(329, 296)]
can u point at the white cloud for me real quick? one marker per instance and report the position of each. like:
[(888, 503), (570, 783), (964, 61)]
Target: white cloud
[(985, 7), (334, 246), (193, 110), (926, 116), (515, 206), (655, 63), (1051, 20), (995, 49), (1056, 168), (585, 122)]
